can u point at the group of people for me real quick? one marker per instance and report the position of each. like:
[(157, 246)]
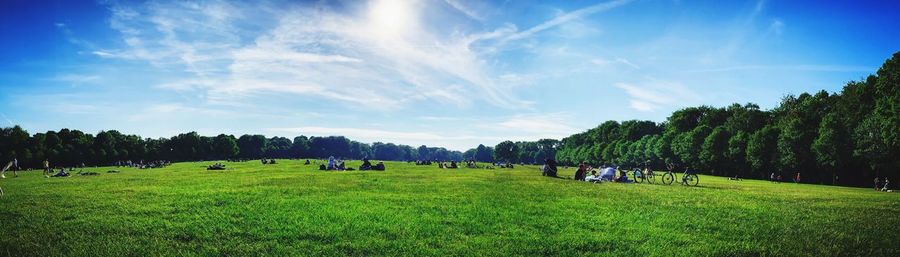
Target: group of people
[(605, 174), (333, 164), (141, 164), (451, 165), (216, 166), (368, 165), (338, 164)]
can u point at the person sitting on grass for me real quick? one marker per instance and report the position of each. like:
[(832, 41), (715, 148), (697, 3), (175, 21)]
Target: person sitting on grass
[(877, 182), (453, 165), (379, 166), (549, 169), (322, 167), (594, 177), (366, 164), (581, 173), (332, 165), (884, 188), (623, 177), (307, 162)]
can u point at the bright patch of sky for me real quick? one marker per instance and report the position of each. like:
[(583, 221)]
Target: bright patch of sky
[(450, 73)]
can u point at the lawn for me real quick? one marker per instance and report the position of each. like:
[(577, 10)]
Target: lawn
[(291, 209)]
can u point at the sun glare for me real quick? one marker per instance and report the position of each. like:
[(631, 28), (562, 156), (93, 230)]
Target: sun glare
[(391, 16)]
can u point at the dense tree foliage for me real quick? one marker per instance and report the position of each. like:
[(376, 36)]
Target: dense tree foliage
[(72, 147), (843, 138)]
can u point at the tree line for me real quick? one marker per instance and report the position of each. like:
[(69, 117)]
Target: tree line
[(73, 147), (844, 138)]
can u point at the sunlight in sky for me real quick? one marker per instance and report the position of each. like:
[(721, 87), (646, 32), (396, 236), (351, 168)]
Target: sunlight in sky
[(391, 17), (450, 73)]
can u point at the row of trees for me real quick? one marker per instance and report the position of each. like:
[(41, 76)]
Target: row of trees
[(843, 138), (72, 147)]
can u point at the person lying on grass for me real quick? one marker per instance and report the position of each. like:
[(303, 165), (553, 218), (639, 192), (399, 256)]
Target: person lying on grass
[(62, 173), (379, 166), (594, 177)]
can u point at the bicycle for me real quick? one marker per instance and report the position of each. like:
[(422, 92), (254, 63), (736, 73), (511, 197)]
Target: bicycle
[(645, 175), (688, 178)]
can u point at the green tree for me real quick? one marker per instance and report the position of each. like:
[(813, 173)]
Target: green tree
[(225, 146), (713, 150), (830, 147)]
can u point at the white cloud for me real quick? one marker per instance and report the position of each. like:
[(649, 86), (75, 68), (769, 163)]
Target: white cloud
[(654, 95), (77, 78), (797, 67), (465, 9), (627, 62), (567, 17), (537, 126), (777, 27), (362, 58)]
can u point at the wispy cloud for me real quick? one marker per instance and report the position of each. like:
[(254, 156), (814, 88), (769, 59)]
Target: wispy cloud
[(311, 52), (567, 17), (537, 126), (465, 9), (798, 67), (654, 95), (76, 78)]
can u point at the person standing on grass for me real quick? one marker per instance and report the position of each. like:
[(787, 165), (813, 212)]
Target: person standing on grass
[(46, 168), (876, 183), (797, 178)]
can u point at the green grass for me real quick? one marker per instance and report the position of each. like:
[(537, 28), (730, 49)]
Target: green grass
[(290, 209)]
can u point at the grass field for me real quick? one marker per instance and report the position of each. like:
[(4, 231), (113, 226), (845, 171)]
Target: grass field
[(290, 209)]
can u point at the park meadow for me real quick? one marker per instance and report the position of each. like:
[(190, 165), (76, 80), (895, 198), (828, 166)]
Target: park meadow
[(292, 209)]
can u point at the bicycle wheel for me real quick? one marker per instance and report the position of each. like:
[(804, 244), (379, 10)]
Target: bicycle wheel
[(691, 179), (650, 178), (668, 178), (638, 176)]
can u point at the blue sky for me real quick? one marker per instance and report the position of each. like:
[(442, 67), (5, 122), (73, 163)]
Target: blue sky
[(450, 73)]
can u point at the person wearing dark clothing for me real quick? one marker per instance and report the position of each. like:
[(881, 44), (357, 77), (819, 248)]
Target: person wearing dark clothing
[(581, 173), (549, 168), (366, 164)]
